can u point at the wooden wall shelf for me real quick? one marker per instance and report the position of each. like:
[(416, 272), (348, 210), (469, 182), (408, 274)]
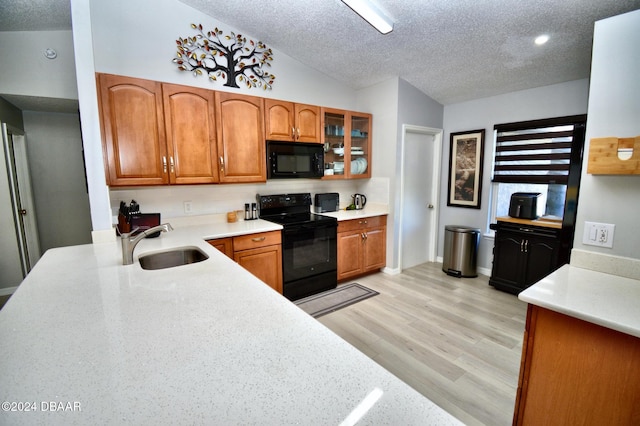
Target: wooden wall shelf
[(604, 160)]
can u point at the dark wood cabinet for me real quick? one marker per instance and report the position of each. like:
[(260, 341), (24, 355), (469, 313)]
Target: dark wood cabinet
[(523, 255)]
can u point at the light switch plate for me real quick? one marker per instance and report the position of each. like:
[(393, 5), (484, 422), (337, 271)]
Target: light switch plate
[(598, 234)]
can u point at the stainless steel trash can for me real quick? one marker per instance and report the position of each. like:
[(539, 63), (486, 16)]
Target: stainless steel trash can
[(460, 250)]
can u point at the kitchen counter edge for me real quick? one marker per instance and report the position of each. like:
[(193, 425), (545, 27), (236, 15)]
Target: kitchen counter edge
[(599, 298)]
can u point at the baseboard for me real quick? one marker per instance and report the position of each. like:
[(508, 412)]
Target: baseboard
[(7, 291), (391, 271)]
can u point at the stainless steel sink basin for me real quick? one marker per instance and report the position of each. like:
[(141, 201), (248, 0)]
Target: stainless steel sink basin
[(171, 258)]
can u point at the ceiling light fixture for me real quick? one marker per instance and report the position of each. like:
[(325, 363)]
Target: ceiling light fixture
[(541, 39), (371, 14), (50, 53)]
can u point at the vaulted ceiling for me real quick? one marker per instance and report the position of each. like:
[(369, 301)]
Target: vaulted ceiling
[(452, 50)]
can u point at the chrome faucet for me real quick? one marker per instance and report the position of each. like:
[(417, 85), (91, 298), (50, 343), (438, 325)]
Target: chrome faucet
[(129, 242)]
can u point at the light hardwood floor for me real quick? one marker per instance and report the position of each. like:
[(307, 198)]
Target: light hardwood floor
[(457, 341)]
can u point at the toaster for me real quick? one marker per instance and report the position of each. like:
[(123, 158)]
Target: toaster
[(328, 202), (524, 205)]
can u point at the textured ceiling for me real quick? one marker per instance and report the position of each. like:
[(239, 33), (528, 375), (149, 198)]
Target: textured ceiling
[(452, 51)]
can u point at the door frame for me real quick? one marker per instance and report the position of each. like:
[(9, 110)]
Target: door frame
[(15, 149), (435, 189)]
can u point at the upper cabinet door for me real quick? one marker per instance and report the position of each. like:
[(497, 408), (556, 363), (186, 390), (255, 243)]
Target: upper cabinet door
[(307, 120), (279, 120), (286, 121), (241, 142), (189, 117), (133, 135)]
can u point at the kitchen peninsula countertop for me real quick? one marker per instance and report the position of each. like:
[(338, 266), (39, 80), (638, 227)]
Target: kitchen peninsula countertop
[(87, 340), (604, 299)]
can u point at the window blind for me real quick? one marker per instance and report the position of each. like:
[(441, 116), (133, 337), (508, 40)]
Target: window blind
[(537, 151)]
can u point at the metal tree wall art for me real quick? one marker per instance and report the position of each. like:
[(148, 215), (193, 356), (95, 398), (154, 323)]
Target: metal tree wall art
[(229, 57)]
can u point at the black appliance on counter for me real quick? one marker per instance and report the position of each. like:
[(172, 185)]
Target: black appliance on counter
[(524, 205), (287, 160), (309, 244), (328, 202)]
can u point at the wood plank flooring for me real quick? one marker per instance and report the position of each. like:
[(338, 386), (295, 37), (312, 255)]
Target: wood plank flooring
[(458, 341)]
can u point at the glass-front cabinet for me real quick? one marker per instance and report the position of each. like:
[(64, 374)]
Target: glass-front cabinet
[(347, 144)]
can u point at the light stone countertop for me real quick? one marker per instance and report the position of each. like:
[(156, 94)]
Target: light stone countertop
[(369, 210), (604, 299), (205, 343)]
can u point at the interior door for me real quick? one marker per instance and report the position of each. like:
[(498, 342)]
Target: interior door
[(418, 233), (15, 149)]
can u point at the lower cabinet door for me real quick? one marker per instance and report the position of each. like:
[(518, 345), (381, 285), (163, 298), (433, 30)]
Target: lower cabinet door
[(375, 249), (265, 263), (542, 259), (349, 254)]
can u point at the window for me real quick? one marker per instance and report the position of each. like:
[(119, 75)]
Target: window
[(542, 156)]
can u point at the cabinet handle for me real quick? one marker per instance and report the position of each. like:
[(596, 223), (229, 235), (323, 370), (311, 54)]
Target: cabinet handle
[(164, 164), (258, 239), (293, 133), (171, 164), (221, 164), (526, 246), (298, 133), (522, 246)]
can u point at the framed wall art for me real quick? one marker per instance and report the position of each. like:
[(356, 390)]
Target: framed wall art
[(465, 169)]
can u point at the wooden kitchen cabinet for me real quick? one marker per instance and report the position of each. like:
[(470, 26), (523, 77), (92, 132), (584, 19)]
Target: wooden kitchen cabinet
[(523, 255), (576, 372), (133, 134), (288, 121), (362, 245), (157, 133), (260, 254), (241, 142), (189, 118), (225, 245), (347, 141)]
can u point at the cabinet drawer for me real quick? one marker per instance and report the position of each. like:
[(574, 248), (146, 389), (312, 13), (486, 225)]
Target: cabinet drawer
[(245, 242), (363, 223)]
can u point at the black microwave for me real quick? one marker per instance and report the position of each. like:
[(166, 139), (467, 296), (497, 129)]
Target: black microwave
[(294, 160)]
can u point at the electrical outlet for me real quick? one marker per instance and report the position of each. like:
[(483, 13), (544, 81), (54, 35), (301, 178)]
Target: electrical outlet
[(598, 234), (188, 207)]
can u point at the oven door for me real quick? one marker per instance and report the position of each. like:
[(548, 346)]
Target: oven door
[(309, 258)]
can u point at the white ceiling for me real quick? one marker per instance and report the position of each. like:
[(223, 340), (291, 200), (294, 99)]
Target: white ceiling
[(452, 50)]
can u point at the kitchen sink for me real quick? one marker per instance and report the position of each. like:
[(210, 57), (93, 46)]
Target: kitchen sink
[(171, 258)]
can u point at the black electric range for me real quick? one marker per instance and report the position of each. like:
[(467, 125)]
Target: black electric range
[(309, 244)]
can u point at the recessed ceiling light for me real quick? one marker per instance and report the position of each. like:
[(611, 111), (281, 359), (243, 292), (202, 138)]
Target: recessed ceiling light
[(541, 39)]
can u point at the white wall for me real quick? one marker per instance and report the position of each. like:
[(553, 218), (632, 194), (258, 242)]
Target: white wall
[(31, 74), (394, 102), (54, 149), (138, 39), (614, 110), (544, 102)]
